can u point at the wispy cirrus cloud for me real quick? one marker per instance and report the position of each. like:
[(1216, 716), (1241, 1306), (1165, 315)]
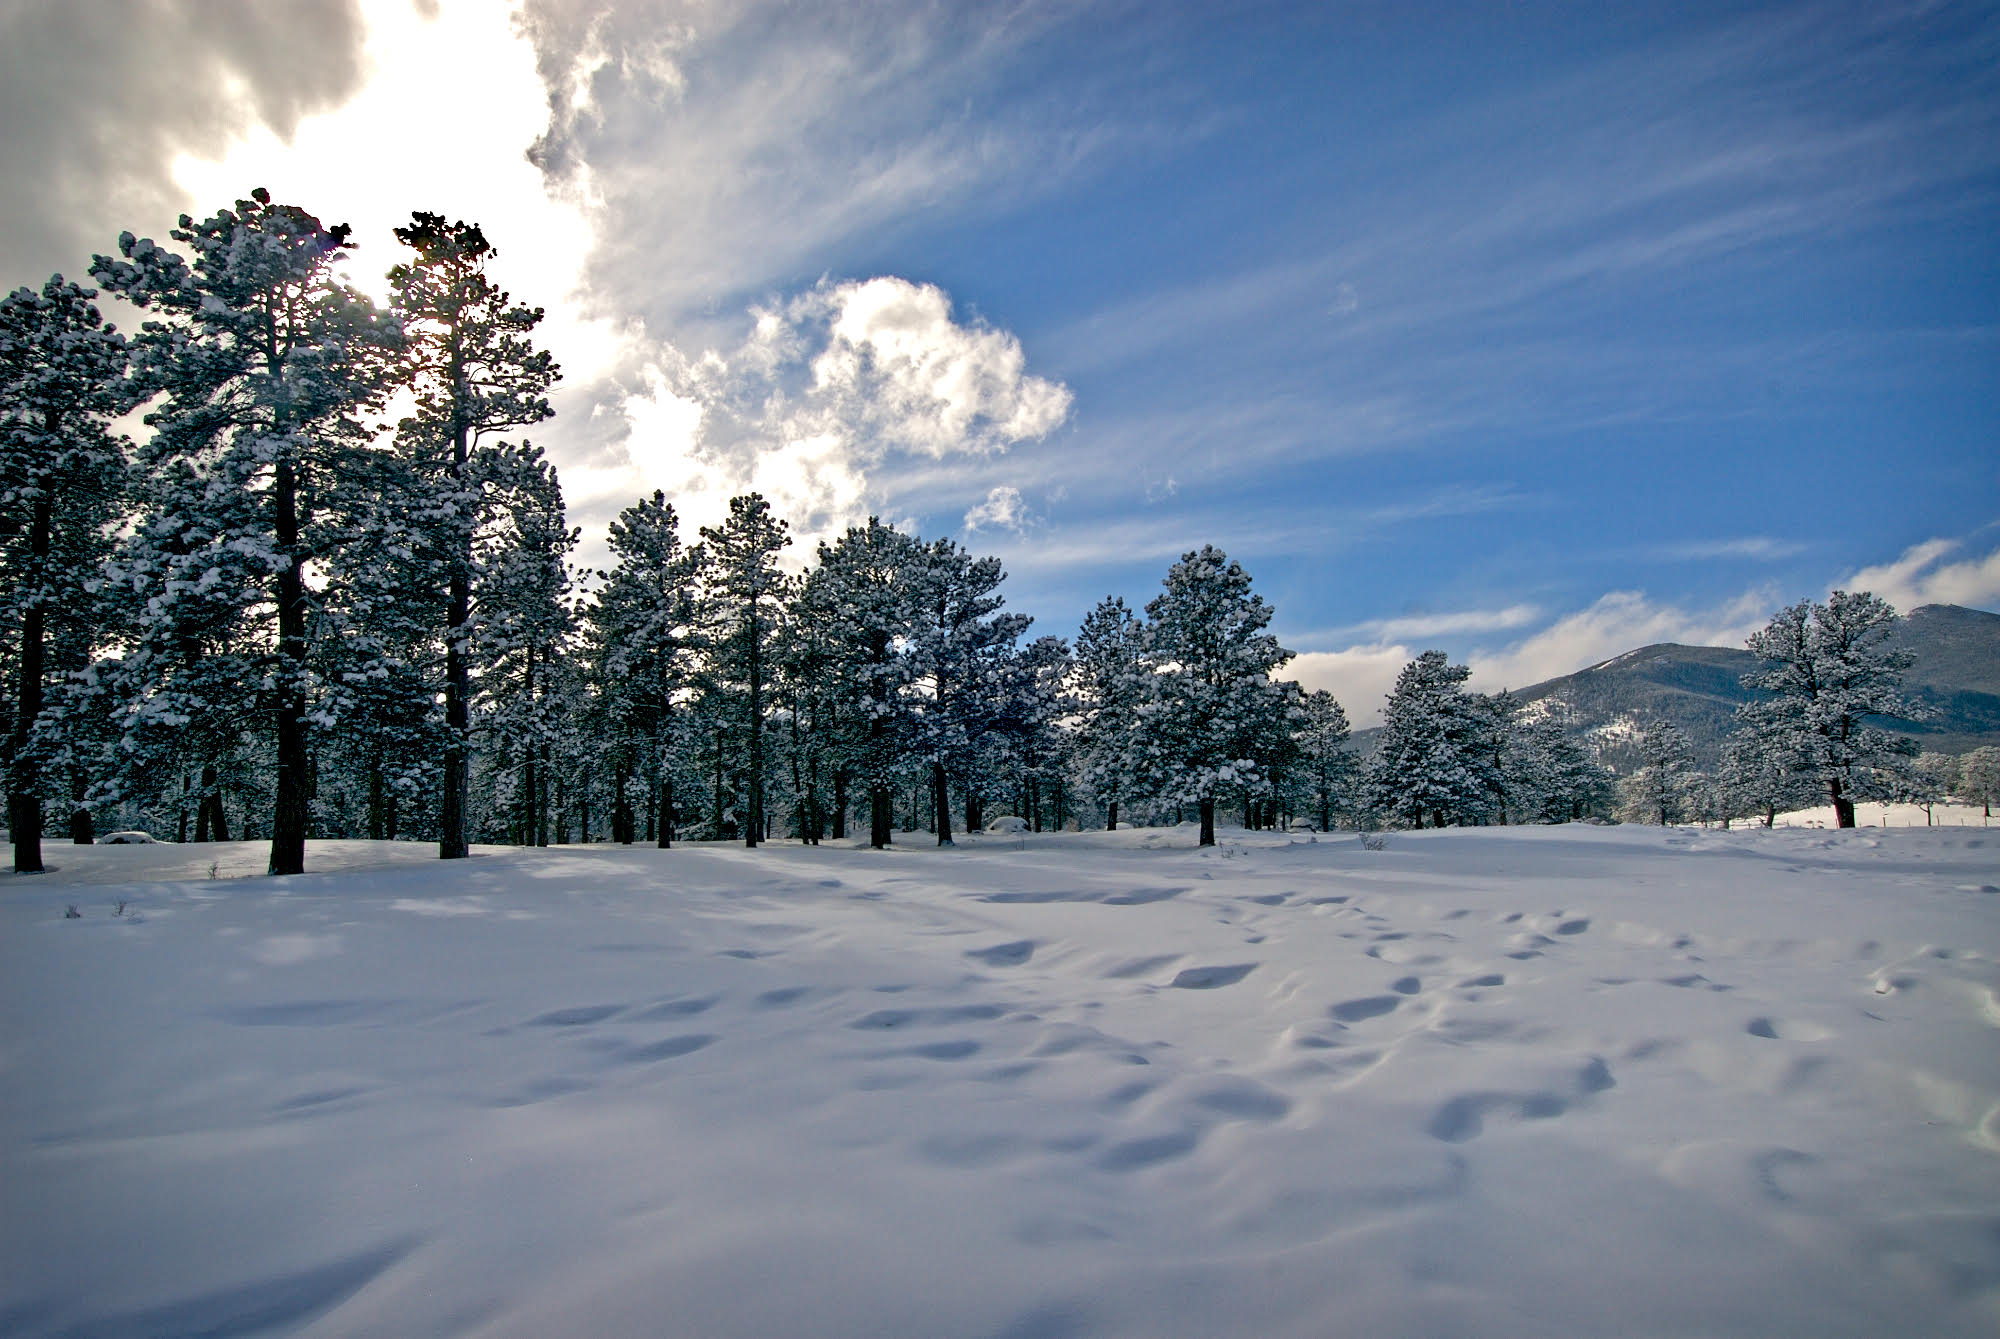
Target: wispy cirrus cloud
[(1761, 547)]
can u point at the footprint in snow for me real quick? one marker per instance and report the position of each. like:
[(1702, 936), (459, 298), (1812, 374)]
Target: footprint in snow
[(1209, 978), (1367, 1007), (1004, 955)]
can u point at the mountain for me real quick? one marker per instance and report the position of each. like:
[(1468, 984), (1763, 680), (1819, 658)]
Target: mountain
[(1955, 678)]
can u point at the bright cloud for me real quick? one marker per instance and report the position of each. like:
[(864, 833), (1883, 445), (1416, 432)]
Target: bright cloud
[(825, 387), (1921, 576), (1361, 676), (1002, 509), (449, 104)]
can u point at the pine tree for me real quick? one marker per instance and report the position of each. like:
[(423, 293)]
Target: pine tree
[(959, 650), (863, 591), (1433, 756), (63, 378), (1979, 778), (1328, 764), (643, 645), (266, 360), (1665, 786), (1830, 670), (1110, 683), (520, 631), (744, 606), (474, 372), (1550, 775), (1761, 772), (1211, 702), (1032, 699)]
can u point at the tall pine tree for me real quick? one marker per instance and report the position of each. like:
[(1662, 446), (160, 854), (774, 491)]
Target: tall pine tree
[(1210, 696), (63, 378), (266, 359), (474, 372)]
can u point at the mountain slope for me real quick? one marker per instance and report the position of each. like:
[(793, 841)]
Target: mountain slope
[(1955, 678)]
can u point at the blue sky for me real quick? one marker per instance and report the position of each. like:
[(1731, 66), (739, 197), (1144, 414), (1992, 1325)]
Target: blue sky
[(1532, 332)]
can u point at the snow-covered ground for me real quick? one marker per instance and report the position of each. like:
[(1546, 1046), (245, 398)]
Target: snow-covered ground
[(1527, 1081), (1869, 814)]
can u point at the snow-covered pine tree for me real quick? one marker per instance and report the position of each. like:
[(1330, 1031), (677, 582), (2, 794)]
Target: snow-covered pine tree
[(1433, 756), (378, 765), (1034, 748), (1550, 774), (1761, 773), (1664, 788), (1831, 670), (1327, 766), (266, 359), (1979, 778), (959, 652), (1211, 702), (474, 372), (63, 378), (642, 646), (744, 599), (1108, 685), (520, 633), (863, 592)]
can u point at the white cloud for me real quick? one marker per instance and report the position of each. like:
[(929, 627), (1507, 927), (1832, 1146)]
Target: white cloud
[(1002, 509), (1420, 626), (823, 388), (1616, 623), (1750, 546), (440, 124), (1920, 576), (1362, 675)]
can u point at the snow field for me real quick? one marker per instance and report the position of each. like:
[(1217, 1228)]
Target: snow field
[(1520, 1081)]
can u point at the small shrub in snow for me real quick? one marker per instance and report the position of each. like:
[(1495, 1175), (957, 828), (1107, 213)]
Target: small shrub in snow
[(72, 914)]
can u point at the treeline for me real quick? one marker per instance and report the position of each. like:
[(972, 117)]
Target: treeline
[(279, 616)]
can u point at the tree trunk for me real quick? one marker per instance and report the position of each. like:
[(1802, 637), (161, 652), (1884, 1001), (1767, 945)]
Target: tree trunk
[(621, 808), (717, 834), (753, 827), (375, 800), (389, 825), (880, 799), (1208, 820), (941, 804), (24, 787), (82, 831), (288, 810), (840, 804), (974, 818), (1843, 807), (456, 798), (1111, 823)]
